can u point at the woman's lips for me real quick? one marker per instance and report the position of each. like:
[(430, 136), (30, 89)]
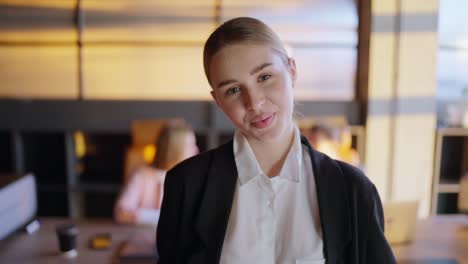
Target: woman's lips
[(263, 120)]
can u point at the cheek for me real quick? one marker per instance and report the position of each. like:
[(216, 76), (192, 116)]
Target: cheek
[(234, 110), (283, 94)]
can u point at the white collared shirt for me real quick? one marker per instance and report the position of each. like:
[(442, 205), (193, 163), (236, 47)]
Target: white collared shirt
[(273, 220)]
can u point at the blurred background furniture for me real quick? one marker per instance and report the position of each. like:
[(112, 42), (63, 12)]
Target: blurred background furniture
[(450, 164), (400, 221), (463, 195), (438, 238), (41, 247), (18, 202), (86, 144), (442, 237)]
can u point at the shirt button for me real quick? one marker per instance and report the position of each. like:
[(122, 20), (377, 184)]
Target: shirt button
[(270, 203)]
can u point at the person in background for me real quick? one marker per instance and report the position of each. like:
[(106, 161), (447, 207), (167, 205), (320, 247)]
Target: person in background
[(266, 196), (334, 141), (322, 139), (346, 152), (140, 200), (317, 132)]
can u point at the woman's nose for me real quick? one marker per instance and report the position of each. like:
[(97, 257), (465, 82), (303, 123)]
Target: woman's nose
[(253, 98)]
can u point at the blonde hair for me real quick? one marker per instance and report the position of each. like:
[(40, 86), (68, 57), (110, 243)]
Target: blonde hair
[(170, 144), (241, 30)]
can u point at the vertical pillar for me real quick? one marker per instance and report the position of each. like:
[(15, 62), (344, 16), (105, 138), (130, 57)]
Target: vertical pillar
[(72, 177), (401, 118), (18, 152)]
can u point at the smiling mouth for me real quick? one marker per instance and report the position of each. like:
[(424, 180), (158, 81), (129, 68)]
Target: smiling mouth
[(264, 121)]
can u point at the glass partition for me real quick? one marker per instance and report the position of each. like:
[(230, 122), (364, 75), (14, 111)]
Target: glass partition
[(136, 72), (38, 21), (39, 72), (452, 63), (147, 20)]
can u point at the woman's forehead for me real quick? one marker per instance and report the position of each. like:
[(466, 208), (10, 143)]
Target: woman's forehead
[(242, 58), (240, 49)]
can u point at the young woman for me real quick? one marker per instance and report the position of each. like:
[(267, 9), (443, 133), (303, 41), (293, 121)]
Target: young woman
[(266, 196), (140, 201)]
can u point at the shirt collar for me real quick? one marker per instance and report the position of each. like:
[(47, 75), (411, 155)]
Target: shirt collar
[(248, 167)]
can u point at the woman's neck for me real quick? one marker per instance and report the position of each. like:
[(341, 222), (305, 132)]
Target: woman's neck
[(272, 154)]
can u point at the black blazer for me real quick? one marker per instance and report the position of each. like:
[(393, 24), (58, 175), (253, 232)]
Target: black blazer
[(198, 195)]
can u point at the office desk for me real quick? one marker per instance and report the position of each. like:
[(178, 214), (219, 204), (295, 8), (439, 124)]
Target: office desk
[(439, 237), (42, 246)]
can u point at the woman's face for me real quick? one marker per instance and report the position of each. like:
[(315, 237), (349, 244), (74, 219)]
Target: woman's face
[(253, 87)]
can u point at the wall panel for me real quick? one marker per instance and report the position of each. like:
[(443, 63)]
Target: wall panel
[(135, 72), (38, 72)]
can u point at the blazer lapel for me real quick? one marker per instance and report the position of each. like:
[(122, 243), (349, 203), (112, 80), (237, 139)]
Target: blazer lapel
[(216, 202), (333, 204)]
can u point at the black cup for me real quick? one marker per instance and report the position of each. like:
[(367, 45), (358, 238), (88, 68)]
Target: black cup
[(67, 238)]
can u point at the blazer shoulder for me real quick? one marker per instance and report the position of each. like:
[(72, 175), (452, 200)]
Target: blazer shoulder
[(330, 166), (354, 173), (357, 180)]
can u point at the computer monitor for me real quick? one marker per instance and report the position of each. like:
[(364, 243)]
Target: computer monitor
[(18, 203)]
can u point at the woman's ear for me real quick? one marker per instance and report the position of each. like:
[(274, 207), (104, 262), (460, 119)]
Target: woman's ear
[(292, 70)]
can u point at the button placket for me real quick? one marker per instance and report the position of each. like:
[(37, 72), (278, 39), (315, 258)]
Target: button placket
[(268, 223)]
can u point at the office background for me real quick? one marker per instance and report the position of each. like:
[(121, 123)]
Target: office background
[(80, 72)]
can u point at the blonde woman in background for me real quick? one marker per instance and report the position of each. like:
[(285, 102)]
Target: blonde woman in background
[(141, 198)]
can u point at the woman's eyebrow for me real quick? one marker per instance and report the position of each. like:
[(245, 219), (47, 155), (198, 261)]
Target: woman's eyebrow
[(260, 67), (226, 82), (252, 72)]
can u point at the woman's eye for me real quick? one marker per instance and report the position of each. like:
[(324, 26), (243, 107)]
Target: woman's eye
[(233, 90), (264, 77)]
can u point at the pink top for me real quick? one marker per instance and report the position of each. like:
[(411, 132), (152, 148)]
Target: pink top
[(141, 196)]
